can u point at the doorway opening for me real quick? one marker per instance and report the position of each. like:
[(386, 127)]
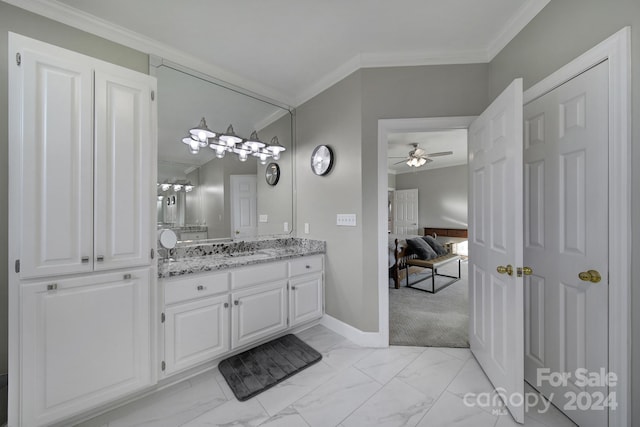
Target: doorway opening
[(427, 188)]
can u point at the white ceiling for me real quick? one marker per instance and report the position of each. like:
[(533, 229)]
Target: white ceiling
[(290, 50), (432, 142)]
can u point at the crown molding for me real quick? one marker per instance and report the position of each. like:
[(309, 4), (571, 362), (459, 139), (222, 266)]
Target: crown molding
[(65, 14), (408, 59), (329, 79), (520, 20), (380, 60)]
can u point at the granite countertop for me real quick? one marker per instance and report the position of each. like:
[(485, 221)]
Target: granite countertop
[(205, 258)]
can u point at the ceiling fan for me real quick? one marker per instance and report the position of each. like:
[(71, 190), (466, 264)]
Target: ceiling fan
[(418, 157)]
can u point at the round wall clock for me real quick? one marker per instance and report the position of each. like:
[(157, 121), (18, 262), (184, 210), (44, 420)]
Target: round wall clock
[(321, 160), (272, 173)]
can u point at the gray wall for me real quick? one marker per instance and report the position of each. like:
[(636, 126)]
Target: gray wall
[(562, 31), (442, 196), (333, 118), (345, 117), (406, 92), (25, 23), (277, 201)]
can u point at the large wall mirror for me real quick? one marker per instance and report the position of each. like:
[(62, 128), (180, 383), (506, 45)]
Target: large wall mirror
[(228, 198)]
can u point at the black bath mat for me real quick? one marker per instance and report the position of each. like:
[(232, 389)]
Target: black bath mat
[(256, 370)]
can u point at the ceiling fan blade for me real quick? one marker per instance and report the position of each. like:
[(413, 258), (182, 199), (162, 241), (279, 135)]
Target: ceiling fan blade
[(398, 157), (401, 161), (442, 153)]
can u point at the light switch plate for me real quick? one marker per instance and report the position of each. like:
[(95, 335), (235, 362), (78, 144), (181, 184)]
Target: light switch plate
[(306, 228), (286, 226), (346, 220), (263, 218)]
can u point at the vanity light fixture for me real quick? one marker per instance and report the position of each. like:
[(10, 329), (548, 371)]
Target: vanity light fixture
[(202, 132), (229, 137), (222, 142), (177, 186), (275, 148)]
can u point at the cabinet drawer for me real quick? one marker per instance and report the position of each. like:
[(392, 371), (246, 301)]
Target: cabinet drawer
[(305, 265), (176, 290), (254, 275)]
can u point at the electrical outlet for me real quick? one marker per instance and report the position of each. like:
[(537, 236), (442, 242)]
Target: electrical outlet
[(263, 218), (286, 227), (306, 228), (346, 220)]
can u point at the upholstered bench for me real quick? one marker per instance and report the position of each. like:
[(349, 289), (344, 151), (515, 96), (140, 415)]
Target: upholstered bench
[(433, 264)]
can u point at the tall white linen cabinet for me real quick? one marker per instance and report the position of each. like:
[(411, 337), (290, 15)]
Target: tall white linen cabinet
[(82, 182)]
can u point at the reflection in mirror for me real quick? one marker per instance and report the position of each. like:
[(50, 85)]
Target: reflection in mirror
[(213, 207)]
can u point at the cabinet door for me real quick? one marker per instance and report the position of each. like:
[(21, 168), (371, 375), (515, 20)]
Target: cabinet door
[(83, 342), (305, 298), (124, 163), (258, 312), (51, 114), (195, 332)]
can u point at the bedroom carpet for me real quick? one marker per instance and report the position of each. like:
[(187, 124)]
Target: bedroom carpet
[(418, 318)]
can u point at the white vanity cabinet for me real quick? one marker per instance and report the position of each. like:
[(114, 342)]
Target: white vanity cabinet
[(81, 231), (306, 289), (209, 315), (85, 341), (196, 318)]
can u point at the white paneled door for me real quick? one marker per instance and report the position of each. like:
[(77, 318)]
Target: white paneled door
[(244, 206), (566, 205), (495, 245), (405, 211)]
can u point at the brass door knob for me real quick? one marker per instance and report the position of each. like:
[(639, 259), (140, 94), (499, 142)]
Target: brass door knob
[(502, 269), (590, 276), (527, 271)]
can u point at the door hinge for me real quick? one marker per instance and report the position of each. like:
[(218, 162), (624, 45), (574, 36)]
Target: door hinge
[(17, 266), (153, 95), (162, 318), (163, 366), (18, 59), (153, 253)]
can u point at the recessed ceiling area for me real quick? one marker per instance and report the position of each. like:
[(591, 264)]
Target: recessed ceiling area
[(400, 144), (291, 50)]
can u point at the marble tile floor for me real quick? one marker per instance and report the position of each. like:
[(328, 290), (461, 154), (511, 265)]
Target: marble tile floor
[(352, 386)]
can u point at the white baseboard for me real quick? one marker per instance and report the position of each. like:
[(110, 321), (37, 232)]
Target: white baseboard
[(364, 339)]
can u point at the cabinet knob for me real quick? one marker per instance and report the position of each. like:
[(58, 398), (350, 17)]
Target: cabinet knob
[(226, 305), (307, 267), (236, 302), (293, 288), (200, 288)]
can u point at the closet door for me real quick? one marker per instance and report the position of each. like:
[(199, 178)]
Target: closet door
[(52, 108), (124, 163)]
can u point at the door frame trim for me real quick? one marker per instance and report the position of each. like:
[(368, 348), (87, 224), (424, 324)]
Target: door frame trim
[(385, 127), (617, 51)]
